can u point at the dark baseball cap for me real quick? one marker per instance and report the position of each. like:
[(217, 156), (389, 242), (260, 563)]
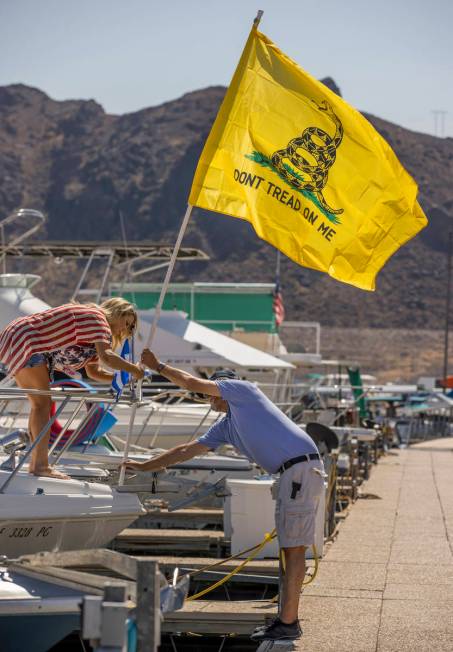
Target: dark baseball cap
[(225, 374)]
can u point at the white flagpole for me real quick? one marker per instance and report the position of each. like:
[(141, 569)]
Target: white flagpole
[(166, 282), (176, 248), (158, 308), (152, 332)]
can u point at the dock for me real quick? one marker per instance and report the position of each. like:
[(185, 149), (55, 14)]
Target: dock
[(386, 584), (182, 518), (171, 541), (219, 617)]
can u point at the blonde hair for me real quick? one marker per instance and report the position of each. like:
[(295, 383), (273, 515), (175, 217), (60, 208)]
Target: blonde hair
[(114, 309)]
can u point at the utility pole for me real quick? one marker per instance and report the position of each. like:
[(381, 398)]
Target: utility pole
[(439, 122), (447, 310)]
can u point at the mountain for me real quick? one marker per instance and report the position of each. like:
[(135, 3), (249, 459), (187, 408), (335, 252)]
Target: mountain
[(82, 167)]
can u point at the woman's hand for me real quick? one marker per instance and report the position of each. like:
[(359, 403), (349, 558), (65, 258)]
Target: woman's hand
[(149, 359), (138, 372)]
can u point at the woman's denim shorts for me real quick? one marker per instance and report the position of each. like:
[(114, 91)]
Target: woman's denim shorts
[(35, 360)]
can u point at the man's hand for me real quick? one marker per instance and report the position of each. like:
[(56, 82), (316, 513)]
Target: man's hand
[(130, 464), (149, 359)]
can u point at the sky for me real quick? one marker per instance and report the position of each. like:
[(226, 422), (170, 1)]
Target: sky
[(391, 58)]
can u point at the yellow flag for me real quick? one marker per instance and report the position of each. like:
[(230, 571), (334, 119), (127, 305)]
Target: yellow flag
[(309, 172)]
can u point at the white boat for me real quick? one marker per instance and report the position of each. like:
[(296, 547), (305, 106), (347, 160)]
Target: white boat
[(163, 425), (45, 514), (35, 609)]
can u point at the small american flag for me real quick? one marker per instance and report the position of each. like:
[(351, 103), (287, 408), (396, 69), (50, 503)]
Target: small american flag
[(277, 306)]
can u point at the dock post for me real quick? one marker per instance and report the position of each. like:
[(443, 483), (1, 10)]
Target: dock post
[(104, 619), (148, 606)]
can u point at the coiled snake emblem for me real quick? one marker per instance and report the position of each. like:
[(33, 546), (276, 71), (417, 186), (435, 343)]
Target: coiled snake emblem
[(313, 153)]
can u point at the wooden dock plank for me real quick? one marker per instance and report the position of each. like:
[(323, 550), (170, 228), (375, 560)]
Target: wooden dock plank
[(150, 540), (219, 617), (256, 567), (182, 518)]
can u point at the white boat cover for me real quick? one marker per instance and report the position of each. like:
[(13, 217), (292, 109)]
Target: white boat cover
[(182, 342)]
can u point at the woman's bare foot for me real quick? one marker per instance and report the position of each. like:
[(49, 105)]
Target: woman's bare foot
[(49, 472)]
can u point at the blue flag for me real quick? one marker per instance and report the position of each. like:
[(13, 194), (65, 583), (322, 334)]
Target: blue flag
[(121, 378)]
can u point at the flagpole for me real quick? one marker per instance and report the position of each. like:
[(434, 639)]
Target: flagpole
[(259, 15), (159, 305), (166, 282), (447, 312), (152, 332)]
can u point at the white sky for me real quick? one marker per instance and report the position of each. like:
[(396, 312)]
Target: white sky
[(392, 58)]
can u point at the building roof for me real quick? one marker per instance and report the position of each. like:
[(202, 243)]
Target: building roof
[(182, 341)]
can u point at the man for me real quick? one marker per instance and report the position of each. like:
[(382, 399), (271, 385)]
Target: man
[(261, 432)]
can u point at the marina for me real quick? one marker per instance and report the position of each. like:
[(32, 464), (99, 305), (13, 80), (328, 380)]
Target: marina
[(377, 574), (189, 523), (226, 407), (207, 522)]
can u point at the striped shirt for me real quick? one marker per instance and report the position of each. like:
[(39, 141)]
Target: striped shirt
[(52, 330)]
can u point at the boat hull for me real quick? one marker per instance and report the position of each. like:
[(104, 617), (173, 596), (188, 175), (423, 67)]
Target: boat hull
[(48, 630), (25, 537), (42, 514)]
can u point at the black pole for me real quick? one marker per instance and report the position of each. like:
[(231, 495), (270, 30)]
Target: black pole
[(447, 310)]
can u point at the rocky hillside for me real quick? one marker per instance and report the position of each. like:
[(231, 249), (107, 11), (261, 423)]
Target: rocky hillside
[(82, 167)]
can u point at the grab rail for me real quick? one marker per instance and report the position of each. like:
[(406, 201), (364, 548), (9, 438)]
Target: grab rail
[(22, 212), (41, 435)]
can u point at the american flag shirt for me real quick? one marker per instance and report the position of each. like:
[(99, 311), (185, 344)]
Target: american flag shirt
[(71, 326)]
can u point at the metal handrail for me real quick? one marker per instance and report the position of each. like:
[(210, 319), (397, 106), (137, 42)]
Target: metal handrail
[(38, 439), (22, 212), (15, 393), (75, 434), (66, 426)]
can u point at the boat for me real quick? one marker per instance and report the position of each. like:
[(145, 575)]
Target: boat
[(34, 608), (46, 514), (48, 596)]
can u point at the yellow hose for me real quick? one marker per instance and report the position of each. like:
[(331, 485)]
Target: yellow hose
[(268, 537), (256, 549)]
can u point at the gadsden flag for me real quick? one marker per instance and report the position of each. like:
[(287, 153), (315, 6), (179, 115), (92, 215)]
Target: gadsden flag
[(309, 172)]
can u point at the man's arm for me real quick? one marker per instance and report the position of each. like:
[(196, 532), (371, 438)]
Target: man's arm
[(180, 377), (173, 456)]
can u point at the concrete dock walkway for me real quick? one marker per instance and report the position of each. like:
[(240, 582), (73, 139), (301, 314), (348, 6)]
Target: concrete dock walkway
[(386, 584)]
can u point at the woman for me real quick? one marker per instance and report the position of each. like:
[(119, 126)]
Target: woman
[(66, 338)]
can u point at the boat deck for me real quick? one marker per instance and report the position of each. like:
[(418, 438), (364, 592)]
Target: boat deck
[(386, 584)]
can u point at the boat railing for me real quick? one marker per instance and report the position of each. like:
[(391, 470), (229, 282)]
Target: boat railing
[(63, 396), (23, 213)]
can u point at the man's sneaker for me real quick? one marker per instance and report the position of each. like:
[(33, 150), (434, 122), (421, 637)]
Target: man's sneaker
[(270, 621), (278, 631)]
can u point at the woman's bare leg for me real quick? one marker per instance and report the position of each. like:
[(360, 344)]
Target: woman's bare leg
[(38, 378)]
